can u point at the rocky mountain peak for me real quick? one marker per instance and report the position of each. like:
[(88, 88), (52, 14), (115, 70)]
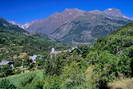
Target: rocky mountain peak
[(96, 12), (113, 12), (72, 10)]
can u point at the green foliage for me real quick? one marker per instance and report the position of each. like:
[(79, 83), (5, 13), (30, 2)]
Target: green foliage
[(112, 56), (72, 76), (52, 82), (39, 84), (6, 84), (30, 80), (105, 66), (54, 64), (15, 44), (27, 80)]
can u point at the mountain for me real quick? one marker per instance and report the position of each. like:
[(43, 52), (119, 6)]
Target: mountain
[(9, 27), (50, 24), (113, 12), (15, 41), (90, 26), (23, 26), (78, 26)]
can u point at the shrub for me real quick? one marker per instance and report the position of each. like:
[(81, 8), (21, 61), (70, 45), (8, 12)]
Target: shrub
[(6, 84)]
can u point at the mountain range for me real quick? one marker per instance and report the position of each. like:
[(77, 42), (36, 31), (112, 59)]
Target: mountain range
[(78, 26)]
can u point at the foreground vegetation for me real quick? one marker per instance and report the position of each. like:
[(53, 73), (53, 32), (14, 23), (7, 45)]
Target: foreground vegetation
[(22, 81)]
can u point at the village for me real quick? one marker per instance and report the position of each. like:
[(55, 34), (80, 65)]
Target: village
[(33, 62)]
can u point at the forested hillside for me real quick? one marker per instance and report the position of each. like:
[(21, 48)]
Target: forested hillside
[(6, 26), (112, 55)]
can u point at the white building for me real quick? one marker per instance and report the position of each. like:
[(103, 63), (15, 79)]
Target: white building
[(54, 52)]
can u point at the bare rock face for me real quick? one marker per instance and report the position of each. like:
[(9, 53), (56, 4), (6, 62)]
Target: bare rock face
[(88, 28), (78, 25), (96, 12), (54, 21)]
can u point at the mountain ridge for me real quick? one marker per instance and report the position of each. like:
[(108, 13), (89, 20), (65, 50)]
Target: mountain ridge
[(74, 9), (90, 26), (65, 21)]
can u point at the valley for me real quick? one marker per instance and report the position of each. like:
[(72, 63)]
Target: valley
[(73, 49)]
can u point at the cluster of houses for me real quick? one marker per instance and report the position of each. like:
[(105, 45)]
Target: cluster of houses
[(53, 53), (11, 63)]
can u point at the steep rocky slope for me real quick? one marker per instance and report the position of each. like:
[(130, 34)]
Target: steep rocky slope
[(78, 26)]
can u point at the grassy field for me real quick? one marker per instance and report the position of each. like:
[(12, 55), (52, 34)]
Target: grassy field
[(26, 80)]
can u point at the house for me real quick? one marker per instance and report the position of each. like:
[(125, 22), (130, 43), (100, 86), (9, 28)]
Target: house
[(10, 63), (33, 58), (6, 63)]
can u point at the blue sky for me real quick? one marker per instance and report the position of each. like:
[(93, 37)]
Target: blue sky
[(23, 11)]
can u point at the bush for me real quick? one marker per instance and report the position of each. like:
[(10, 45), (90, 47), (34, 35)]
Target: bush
[(28, 79), (6, 84), (52, 82), (39, 85), (75, 77)]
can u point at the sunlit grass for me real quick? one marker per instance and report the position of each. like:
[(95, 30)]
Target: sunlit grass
[(122, 84)]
